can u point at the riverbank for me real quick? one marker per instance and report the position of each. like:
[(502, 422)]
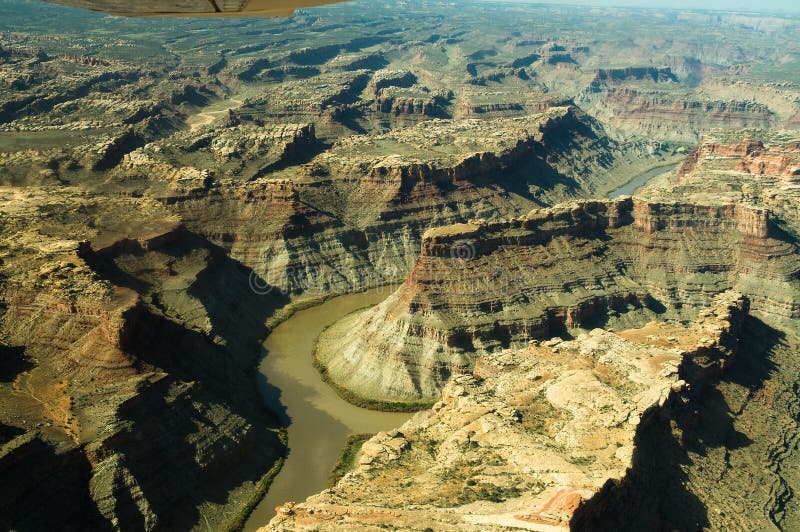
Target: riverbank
[(640, 180), (354, 398), (293, 391), (318, 420)]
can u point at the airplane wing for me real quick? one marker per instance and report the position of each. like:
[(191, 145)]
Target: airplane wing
[(196, 8)]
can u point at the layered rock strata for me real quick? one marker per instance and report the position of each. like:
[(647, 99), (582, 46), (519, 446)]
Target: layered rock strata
[(366, 202), (674, 117), (707, 461), (481, 286), (98, 391), (189, 161), (530, 435), (754, 166)]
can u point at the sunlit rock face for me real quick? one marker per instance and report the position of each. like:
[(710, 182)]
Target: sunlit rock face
[(530, 436), (250, 8)]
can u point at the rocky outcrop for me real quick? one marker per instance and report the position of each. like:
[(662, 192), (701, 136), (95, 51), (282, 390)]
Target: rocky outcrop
[(493, 109), (390, 78), (191, 160), (410, 107), (100, 393), (324, 100), (397, 94), (40, 100), (613, 76), (617, 261), (753, 157), (495, 75), (666, 117), (753, 166), (488, 104), (108, 154), (530, 435)]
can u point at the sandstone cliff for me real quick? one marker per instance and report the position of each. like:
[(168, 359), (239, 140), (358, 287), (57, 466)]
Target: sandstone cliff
[(468, 324), (673, 117), (365, 203), (485, 285), (98, 389), (176, 186), (529, 435)]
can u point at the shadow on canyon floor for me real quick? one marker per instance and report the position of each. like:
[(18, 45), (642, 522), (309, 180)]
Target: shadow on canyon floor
[(8, 433), (524, 177), (298, 157), (13, 361), (40, 475), (218, 433), (211, 466)]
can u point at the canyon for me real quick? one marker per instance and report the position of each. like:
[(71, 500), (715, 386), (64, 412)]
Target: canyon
[(174, 191), (596, 253), (575, 406), (487, 344)]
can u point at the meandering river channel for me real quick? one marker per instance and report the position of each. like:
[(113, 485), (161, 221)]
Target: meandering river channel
[(639, 181), (319, 420)]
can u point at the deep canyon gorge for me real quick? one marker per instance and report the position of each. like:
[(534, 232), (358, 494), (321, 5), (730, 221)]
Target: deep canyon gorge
[(385, 265)]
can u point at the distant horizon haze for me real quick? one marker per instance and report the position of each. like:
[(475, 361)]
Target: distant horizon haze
[(765, 6)]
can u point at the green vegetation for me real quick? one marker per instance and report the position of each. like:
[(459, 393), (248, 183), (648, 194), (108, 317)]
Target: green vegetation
[(286, 312), (347, 460), (372, 404), (43, 140), (259, 491)]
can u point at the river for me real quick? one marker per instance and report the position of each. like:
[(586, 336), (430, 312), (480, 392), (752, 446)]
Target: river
[(639, 181), (319, 420)]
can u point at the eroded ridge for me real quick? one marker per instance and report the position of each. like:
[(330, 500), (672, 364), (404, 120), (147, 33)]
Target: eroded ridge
[(529, 434), (632, 264), (614, 262), (96, 392)]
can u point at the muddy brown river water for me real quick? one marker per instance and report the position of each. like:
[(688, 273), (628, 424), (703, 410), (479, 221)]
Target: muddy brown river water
[(319, 420)]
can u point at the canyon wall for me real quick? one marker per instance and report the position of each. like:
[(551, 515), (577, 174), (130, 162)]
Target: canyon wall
[(672, 117), (353, 217), (127, 359), (496, 315), (530, 437), (481, 286)]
